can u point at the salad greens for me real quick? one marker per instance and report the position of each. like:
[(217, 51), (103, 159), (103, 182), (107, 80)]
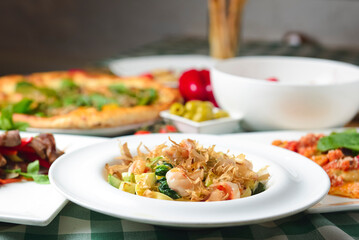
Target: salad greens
[(32, 172), (347, 139)]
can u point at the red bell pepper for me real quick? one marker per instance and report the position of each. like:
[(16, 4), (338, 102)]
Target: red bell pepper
[(10, 180), (23, 147)]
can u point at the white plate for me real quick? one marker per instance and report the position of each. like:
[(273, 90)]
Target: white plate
[(215, 126), (178, 63), (329, 203), (104, 132), (296, 184), (36, 204)]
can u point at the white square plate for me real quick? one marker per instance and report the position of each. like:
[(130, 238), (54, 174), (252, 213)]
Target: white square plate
[(36, 204)]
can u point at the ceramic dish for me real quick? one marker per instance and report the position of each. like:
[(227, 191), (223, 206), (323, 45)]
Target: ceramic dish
[(216, 126), (296, 184), (329, 203), (310, 93), (36, 204), (103, 132), (140, 65), (176, 63)]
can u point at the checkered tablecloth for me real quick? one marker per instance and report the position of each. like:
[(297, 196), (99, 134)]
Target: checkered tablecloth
[(75, 222), (78, 223)]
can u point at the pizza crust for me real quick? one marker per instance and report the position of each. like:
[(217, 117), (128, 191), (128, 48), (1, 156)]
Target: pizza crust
[(349, 190), (89, 117)]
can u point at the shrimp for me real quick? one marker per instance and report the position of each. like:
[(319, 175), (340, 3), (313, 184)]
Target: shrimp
[(138, 167), (224, 191), (178, 181)]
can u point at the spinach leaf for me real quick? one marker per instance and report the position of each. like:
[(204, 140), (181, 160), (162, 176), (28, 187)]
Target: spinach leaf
[(165, 189), (347, 139), (260, 188), (161, 170)]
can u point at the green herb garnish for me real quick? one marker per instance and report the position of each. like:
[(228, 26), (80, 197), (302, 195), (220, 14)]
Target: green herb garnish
[(32, 172), (119, 88), (348, 139), (24, 87), (68, 84)]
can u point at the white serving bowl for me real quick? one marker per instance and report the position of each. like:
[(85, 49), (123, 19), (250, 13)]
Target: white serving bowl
[(310, 94)]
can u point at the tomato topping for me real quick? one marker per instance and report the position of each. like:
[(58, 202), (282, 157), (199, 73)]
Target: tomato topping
[(168, 129), (273, 79), (147, 75), (292, 145), (141, 132), (75, 70)]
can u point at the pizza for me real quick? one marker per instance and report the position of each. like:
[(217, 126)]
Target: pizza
[(81, 100), (336, 153)]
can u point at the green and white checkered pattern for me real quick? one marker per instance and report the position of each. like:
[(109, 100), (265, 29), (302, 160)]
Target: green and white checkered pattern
[(75, 222)]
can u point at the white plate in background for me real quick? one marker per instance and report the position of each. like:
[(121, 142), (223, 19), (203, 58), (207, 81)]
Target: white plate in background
[(328, 204), (101, 132), (37, 204), (296, 184), (140, 65)]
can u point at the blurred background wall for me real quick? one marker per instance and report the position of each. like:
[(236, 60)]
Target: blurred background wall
[(41, 35)]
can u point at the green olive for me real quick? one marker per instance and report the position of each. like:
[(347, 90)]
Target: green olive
[(208, 104), (192, 105), (188, 115), (177, 109), (221, 114), (199, 117), (205, 111)]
